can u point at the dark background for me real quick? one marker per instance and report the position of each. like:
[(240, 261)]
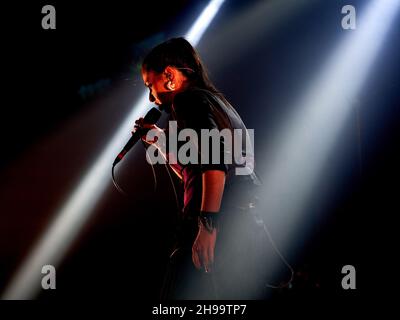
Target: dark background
[(84, 70)]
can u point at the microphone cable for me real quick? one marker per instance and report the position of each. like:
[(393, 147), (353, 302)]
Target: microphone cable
[(173, 187), (120, 190), (278, 252)]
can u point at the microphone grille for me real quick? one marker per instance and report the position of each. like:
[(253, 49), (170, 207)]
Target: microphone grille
[(152, 116)]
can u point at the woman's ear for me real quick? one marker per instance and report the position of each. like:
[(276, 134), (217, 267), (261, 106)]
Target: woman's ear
[(169, 73)]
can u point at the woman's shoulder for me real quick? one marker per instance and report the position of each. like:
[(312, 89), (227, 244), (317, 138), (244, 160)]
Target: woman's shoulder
[(192, 94), (192, 100)]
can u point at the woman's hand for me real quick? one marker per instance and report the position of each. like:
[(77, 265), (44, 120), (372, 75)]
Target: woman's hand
[(140, 125), (203, 248)]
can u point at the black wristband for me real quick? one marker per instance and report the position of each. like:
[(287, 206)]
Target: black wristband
[(209, 220)]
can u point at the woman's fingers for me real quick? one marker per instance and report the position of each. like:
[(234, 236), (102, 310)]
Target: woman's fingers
[(205, 259), (195, 258), (210, 257), (148, 126), (201, 258), (203, 249), (140, 124)]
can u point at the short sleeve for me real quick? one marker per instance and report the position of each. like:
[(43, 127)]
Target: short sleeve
[(192, 109)]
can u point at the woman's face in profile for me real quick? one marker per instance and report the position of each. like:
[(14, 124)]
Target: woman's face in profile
[(159, 94)]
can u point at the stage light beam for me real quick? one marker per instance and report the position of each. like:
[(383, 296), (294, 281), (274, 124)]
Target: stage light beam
[(303, 145), (69, 220)]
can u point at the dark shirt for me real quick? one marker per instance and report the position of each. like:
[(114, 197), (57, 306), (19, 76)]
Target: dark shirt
[(201, 109)]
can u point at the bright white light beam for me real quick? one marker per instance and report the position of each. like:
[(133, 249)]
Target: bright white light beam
[(303, 146), (69, 220)]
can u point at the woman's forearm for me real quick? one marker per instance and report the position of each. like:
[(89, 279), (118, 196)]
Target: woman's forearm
[(213, 190)]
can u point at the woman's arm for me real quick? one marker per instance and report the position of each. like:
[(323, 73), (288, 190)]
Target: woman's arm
[(161, 148), (204, 245), (213, 189)]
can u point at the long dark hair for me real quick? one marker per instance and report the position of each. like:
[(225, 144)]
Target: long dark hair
[(179, 53)]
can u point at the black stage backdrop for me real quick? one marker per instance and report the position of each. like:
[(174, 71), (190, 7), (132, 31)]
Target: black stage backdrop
[(88, 69)]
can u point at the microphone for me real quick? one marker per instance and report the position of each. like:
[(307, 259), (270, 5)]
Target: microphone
[(150, 118)]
